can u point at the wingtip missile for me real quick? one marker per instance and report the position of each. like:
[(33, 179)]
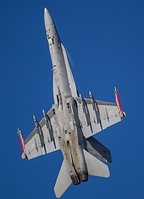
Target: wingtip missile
[(115, 90), (22, 144), (19, 131), (121, 112)]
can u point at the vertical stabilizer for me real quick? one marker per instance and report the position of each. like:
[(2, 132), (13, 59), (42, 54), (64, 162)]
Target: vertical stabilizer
[(63, 181), (95, 148), (96, 167), (69, 73)]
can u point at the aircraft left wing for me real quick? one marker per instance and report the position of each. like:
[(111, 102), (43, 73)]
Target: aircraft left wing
[(95, 115), (42, 139)]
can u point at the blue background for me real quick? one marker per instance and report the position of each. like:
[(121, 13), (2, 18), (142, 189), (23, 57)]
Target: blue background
[(105, 40)]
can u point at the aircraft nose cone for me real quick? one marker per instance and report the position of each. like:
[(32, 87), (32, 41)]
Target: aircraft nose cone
[(47, 18)]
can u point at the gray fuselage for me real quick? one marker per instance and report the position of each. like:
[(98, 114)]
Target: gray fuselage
[(68, 128)]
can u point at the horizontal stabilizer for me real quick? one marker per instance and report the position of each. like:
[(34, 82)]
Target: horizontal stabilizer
[(95, 148), (96, 167), (63, 181)]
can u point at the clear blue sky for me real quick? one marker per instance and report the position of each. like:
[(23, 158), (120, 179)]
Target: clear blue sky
[(106, 42)]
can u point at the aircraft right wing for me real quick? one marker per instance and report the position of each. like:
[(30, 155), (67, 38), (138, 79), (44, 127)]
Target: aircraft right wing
[(42, 139), (95, 115)]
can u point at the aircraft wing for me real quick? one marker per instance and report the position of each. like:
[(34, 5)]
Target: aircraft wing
[(96, 115), (42, 139)]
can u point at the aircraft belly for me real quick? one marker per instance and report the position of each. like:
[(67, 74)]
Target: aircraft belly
[(74, 157), (57, 57), (65, 148), (78, 159)]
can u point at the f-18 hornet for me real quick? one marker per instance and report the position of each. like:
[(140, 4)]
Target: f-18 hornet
[(71, 123)]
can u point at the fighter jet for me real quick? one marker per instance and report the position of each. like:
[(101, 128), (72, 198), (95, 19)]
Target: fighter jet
[(71, 123)]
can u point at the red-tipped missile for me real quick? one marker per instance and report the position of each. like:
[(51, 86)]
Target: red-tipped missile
[(22, 144), (122, 114)]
